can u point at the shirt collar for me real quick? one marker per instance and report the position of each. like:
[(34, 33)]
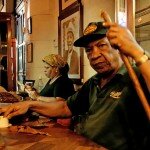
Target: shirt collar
[(121, 72), (54, 79)]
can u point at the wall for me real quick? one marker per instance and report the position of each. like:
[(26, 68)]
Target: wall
[(92, 9), (45, 16), (44, 32)]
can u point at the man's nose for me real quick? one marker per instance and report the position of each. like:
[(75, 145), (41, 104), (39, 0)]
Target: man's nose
[(95, 52)]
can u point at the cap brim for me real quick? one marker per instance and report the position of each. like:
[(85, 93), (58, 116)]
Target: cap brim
[(85, 40)]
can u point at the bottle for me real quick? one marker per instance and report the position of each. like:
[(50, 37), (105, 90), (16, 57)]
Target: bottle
[(40, 84)]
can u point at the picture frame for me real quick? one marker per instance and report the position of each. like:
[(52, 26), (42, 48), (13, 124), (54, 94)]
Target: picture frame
[(29, 25), (63, 4), (29, 82), (29, 53), (71, 22), (1, 4)]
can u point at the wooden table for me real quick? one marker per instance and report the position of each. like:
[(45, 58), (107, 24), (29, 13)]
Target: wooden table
[(61, 138)]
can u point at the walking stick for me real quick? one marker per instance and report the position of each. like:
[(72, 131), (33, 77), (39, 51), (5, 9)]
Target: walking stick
[(132, 74)]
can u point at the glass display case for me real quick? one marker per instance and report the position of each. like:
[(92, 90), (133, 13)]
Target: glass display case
[(142, 23)]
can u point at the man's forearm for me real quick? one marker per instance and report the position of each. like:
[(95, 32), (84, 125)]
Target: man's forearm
[(49, 99), (52, 109)]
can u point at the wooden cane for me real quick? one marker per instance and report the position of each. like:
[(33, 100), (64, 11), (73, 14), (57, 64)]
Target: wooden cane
[(132, 74)]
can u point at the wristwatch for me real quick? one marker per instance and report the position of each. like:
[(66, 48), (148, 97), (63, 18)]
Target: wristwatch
[(144, 58)]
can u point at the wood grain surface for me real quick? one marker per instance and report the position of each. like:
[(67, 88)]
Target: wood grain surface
[(61, 138)]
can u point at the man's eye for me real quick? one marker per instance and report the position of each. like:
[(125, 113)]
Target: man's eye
[(87, 49), (101, 45)]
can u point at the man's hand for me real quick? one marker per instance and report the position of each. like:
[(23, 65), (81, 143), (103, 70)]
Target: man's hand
[(14, 109), (122, 38)]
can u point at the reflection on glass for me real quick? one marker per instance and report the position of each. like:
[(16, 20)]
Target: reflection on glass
[(121, 16), (20, 63), (142, 4), (143, 36)]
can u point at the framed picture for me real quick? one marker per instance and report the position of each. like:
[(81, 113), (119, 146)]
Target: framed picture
[(70, 25), (63, 4), (1, 4), (29, 53), (29, 25), (29, 82)]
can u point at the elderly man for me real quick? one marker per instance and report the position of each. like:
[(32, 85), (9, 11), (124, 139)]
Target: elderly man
[(107, 105)]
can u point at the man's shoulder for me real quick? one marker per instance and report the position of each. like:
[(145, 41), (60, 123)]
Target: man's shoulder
[(91, 80), (124, 72)]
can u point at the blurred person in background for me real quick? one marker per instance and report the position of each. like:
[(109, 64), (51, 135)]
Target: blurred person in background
[(59, 84)]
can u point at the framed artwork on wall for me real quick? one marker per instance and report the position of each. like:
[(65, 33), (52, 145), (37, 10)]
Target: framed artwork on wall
[(29, 53), (29, 82), (70, 25), (1, 4), (65, 3)]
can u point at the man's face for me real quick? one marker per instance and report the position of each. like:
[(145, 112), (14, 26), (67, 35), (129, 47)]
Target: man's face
[(70, 39), (103, 58)]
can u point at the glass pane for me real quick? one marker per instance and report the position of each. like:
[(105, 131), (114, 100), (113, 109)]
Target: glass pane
[(121, 16), (143, 36), (141, 4)]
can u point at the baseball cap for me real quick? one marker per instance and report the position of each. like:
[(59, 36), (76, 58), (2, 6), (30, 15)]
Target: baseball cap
[(94, 31)]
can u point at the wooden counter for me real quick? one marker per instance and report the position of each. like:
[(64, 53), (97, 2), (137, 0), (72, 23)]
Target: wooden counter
[(60, 138)]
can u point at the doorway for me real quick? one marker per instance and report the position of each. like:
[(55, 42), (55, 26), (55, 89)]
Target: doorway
[(7, 53), (3, 55)]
